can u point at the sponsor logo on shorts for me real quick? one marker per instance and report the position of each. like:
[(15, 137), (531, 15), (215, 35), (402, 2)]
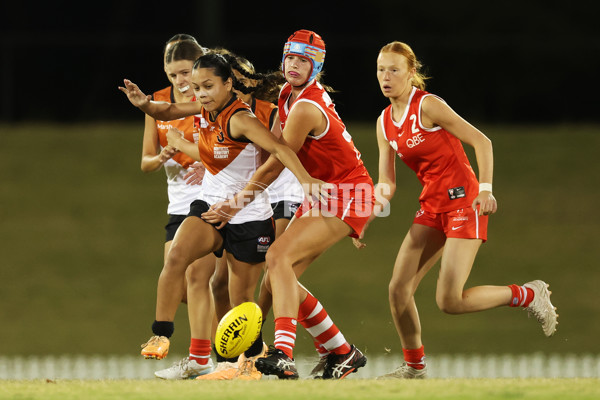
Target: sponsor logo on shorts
[(264, 240)]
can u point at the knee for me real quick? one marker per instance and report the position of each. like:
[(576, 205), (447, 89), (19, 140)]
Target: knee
[(219, 284), (196, 276), (399, 294), (276, 257), (176, 260), (448, 304)]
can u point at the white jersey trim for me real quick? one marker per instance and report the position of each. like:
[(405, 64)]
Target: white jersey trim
[(435, 128), (320, 109), (403, 118)]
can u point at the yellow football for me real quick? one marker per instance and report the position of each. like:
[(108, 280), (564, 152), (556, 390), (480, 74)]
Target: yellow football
[(238, 329)]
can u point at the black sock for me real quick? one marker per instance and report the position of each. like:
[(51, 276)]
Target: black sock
[(256, 348), (220, 358), (163, 328)]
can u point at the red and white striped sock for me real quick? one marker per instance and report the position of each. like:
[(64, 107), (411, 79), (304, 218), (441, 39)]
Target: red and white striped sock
[(285, 335), (415, 357), (200, 350), (521, 296), (313, 317)]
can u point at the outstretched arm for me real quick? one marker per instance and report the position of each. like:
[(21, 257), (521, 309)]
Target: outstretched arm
[(158, 109)]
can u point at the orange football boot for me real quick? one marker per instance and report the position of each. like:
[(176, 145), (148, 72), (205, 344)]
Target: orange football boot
[(156, 348)]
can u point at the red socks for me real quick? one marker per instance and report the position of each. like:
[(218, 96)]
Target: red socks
[(521, 296), (326, 335), (285, 335), (415, 357), (200, 350)]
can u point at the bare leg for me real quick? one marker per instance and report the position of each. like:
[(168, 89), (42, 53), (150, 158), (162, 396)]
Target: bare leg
[(200, 307), (220, 288), (457, 261), (265, 299), (304, 240), (243, 278), (420, 250), (194, 239), (167, 248)]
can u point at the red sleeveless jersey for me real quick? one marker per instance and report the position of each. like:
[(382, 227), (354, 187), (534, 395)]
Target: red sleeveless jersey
[(331, 155), (436, 156), (186, 125)]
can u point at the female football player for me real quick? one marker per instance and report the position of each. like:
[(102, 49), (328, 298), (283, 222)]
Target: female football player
[(452, 222), (228, 138), (312, 128), (285, 196), (180, 53)]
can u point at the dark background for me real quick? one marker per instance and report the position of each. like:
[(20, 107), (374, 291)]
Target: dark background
[(493, 62)]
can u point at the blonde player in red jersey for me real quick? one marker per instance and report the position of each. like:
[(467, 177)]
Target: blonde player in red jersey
[(229, 134), (312, 128), (452, 222)]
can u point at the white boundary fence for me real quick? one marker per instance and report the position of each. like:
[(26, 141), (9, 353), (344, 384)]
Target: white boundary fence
[(440, 366)]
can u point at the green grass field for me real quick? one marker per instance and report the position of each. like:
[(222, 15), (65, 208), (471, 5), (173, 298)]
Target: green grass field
[(460, 389), (82, 236)]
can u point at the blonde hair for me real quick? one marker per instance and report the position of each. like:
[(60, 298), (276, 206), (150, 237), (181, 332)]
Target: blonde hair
[(418, 79)]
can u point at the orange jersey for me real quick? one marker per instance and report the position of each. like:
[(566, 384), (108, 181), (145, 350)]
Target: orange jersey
[(436, 156), (265, 112), (229, 162), (186, 125), (180, 193)]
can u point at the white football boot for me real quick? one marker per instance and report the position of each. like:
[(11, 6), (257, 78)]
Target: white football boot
[(405, 372), (185, 369), (541, 307)]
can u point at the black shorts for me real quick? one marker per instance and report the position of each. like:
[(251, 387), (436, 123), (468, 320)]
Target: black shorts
[(284, 209), (247, 242), (172, 225)]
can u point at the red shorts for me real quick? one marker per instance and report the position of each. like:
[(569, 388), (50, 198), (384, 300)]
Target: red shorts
[(352, 203), (464, 223)]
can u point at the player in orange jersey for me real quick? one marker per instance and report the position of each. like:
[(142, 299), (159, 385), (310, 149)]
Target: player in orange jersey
[(312, 128), (228, 138), (285, 196), (452, 222), (179, 57)]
